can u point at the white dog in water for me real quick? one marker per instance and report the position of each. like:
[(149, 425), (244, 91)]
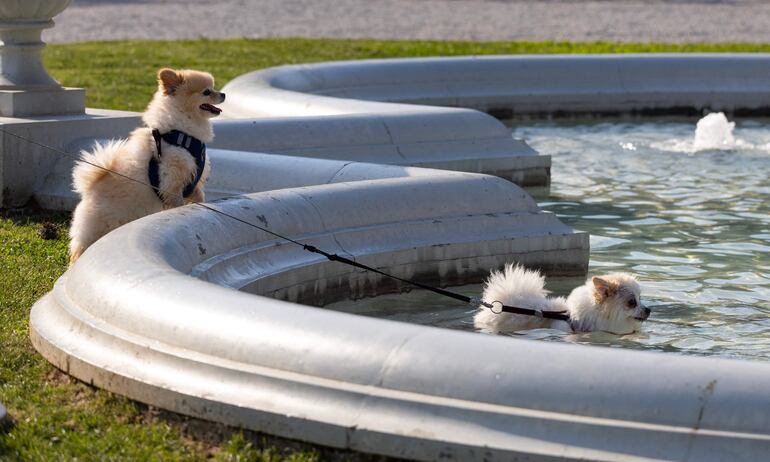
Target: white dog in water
[(608, 303)]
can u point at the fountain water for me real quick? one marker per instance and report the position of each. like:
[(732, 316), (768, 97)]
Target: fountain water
[(714, 131)]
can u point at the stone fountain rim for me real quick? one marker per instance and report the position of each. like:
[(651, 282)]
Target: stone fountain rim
[(703, 406)]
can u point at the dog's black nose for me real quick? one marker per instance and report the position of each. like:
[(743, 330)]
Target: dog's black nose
[(223, 97), (647, 312)]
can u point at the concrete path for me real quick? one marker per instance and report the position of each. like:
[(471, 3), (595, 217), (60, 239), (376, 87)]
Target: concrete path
[(632, 20)]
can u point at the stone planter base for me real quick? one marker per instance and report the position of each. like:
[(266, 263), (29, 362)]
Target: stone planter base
[(26, 103)]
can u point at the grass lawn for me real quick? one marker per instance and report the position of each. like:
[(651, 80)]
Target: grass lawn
[(57, 418)]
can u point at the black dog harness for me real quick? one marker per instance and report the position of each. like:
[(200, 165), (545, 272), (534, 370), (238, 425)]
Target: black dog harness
[(193, 145)]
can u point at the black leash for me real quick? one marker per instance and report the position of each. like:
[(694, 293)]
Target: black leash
[(496, 307)]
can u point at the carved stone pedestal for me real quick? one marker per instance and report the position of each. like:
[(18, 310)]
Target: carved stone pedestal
[(26, 89)]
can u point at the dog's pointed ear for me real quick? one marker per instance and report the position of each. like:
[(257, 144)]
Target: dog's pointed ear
[(169, 80), (603, 288)]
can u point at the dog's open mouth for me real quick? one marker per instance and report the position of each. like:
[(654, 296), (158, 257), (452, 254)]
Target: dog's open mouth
[(210, 108)]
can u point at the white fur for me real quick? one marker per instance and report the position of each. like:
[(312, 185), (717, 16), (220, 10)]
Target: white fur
[(111, 200), (590, 308)]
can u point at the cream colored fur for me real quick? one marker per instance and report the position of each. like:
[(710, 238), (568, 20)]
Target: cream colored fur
[(109, 200), (602, 303)]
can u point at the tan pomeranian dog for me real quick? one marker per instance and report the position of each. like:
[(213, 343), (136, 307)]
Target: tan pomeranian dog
[(609, 303), (166, 160)]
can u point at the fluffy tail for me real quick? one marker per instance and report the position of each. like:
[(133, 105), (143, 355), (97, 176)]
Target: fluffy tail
[(517, 286), (513, 286), (94, 165)]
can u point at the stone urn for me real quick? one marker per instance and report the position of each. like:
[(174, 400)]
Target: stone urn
[(25, 86)]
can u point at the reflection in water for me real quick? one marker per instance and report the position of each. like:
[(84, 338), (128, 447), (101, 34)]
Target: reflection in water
[(693, 225)]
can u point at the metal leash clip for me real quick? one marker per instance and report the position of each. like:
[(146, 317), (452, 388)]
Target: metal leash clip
[(496, 306)]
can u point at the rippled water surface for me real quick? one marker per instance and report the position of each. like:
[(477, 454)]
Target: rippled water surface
[(694, 226)]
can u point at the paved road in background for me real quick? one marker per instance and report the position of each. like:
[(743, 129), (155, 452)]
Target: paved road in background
[(640, 21)]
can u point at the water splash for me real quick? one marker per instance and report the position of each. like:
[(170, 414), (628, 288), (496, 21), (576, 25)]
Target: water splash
[(714, 132)]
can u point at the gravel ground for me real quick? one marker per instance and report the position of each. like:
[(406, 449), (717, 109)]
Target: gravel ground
[(576, 20)]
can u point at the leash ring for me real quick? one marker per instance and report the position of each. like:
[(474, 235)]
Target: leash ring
[(497, 307)]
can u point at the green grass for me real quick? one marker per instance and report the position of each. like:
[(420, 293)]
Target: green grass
[(121, 75), (57, 418)]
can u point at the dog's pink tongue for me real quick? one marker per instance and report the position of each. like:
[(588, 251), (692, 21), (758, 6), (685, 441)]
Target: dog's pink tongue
[(210, 108)]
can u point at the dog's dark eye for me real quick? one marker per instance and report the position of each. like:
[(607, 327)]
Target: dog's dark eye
[(632, 303), (206, 92)]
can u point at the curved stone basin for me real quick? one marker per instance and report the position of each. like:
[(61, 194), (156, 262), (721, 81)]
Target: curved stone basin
[(129, 318), (150, 312)]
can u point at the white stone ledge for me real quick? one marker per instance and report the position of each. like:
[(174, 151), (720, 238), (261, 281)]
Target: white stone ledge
[(29, 170), (451, 139), (279, 110), (512, 85)]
